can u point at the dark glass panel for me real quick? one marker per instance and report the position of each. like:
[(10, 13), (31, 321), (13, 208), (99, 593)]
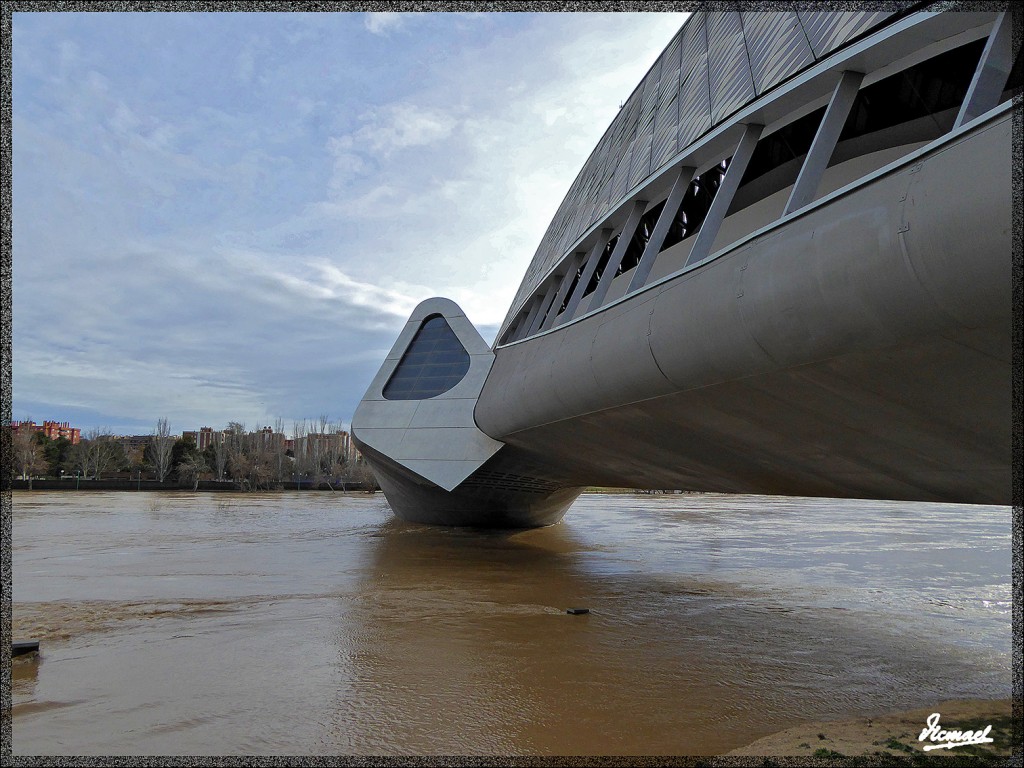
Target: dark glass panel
[(918, 104), (601, 264), (1013, 82), (777, 160), (571, 289), (638, 242), (434, 363), (696, 204)]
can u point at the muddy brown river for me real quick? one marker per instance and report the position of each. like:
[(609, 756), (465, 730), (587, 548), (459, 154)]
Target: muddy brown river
[(317, 624)]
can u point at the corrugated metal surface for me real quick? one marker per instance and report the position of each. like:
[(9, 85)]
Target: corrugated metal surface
[(716, 64), (777, 46), (827, 30), (694, 104), (732, 83), (666, 117)]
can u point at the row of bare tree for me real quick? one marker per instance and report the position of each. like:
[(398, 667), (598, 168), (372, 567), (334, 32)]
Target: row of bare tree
[(97, 453), (321, 453)]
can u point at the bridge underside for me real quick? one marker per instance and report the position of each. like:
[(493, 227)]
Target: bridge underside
[(508, 491), (915, 422), (862, 350)]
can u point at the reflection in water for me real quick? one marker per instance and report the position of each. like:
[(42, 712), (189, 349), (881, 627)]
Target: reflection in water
[(452, 632), (24, 673), (318, 624), (470, 629)]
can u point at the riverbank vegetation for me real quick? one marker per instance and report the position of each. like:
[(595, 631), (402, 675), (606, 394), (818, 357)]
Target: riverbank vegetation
[(249, 460)]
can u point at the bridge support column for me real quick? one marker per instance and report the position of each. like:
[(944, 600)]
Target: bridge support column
[(807, 183), (588, 272), (574, 266), (668, 215), (524, 329), (545, 308), (992, 72), (632, 222), (705, 238)]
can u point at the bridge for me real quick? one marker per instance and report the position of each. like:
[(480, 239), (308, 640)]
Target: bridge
[(784, 269)]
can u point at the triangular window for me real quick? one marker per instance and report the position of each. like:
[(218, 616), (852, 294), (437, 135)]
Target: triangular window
[(434, 363)]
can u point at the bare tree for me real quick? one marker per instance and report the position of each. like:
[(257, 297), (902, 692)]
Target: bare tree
[(279, 448), (190, 469), (162, 446), (332, 446), (315, 452), (97, 453), (252, 456), (219, 449), (319, 450), (324, 450), (235, 448), (362, 475), (263, 463), (28, 455), (299, 448), (135, 458)]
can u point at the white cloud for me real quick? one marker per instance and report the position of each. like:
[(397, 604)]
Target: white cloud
[(395, 301), (383, 23), (401, 126), (253, 244)]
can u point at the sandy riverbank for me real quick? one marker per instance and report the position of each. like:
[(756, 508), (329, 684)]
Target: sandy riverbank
[(892, 734)]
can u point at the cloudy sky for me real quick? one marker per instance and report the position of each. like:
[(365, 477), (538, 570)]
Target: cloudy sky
[(229, 217)]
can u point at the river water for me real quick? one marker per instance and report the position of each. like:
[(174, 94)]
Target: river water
[(318, 624)]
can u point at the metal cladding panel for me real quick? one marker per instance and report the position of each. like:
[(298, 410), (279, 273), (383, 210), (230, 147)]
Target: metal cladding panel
[(651, 87), (666, 120), (827, 30), (716, 64), (604, 194), (777, 46), (694, 46), (649, 103), (621, 181), (694, 104), (666, 128), (670, 58), (641, 158), (732, 84), (641, 163)]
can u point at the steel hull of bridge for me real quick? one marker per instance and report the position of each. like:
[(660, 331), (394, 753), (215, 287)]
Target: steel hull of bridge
[(859, 349)]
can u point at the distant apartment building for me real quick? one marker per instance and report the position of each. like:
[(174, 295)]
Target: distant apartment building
[(337, 443), (205, 437), (135, 442), (52, 429), (265, 437), (268, 438)]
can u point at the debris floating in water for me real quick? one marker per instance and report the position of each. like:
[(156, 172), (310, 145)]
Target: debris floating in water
[(578, 611)]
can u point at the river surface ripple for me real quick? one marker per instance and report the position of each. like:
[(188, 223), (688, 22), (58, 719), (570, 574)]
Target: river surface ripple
[(318, 624)]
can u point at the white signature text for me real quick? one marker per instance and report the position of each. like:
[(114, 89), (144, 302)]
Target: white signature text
[(951, 739)]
